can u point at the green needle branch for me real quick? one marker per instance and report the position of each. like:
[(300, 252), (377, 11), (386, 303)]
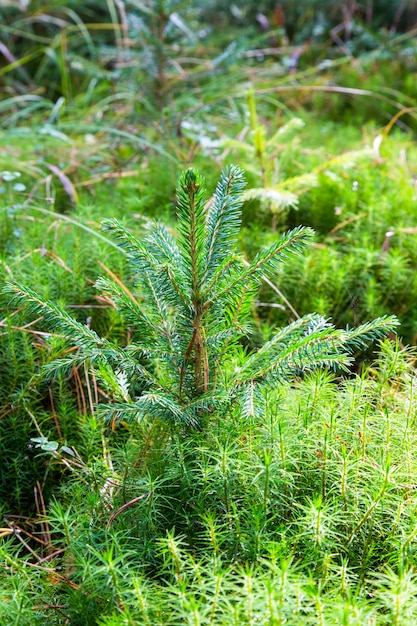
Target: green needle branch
[(193, 306)]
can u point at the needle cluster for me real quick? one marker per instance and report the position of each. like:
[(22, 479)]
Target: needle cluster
[(192, 304)]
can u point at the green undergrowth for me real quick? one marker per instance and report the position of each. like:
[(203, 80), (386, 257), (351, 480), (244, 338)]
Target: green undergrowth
[(305, 516), (293, 503), (362, 263), (301, 512)]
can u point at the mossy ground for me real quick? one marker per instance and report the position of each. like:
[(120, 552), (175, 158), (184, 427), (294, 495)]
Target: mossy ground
[(306, 516)]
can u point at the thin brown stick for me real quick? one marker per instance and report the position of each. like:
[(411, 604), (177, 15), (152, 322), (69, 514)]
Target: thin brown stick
[(43, 607), (4, 321), (118, 281), (95, 386), (54, 415), (7, 411), (26, 329), (41, 509), (87, 383), (42, 542), (34, 420), (396, 117), (124, 507), (17, 533), (90, 306), (275, 288), (346, 222), (351, 91), (80, 392), (106, 176), (48, 557)]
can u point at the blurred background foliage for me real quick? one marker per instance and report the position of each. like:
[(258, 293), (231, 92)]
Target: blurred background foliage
[(61, 48)]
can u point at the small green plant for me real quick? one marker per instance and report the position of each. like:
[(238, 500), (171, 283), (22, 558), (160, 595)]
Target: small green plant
[(267, 158), (192, 307)]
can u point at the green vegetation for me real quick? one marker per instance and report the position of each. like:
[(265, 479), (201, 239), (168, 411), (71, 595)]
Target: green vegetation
[(206, 414)]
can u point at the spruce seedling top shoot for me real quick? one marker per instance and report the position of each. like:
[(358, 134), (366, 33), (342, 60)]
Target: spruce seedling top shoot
[(196, 295)]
